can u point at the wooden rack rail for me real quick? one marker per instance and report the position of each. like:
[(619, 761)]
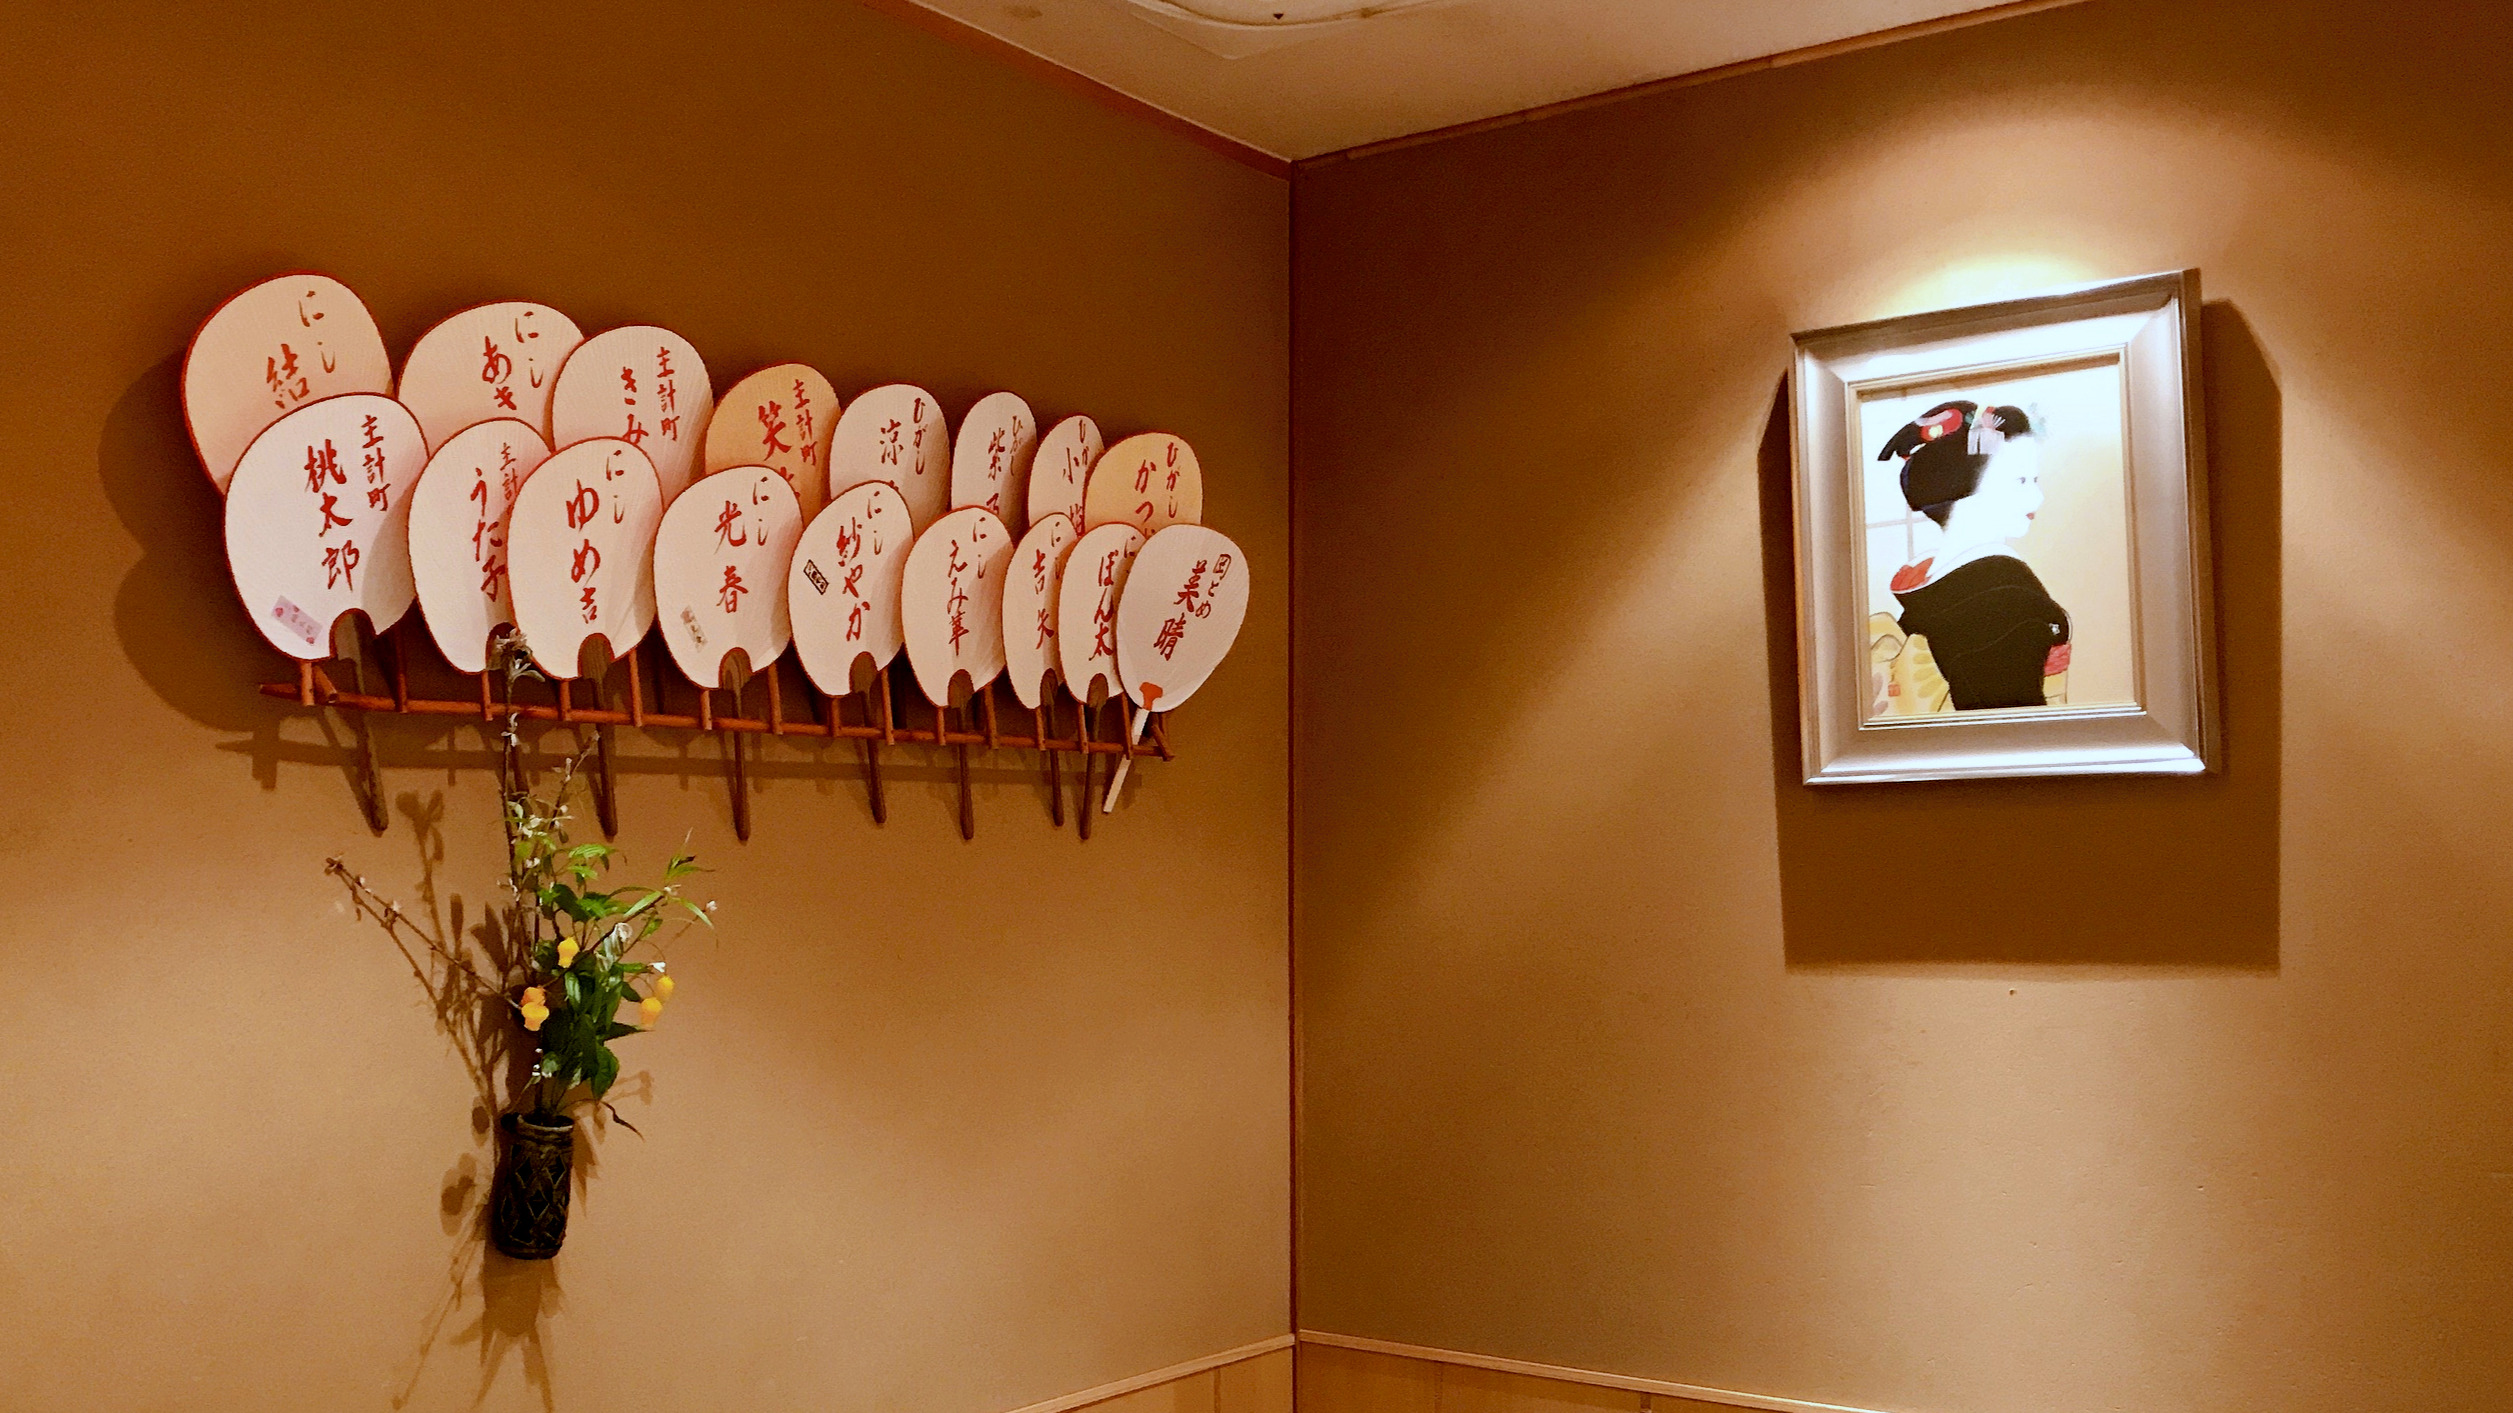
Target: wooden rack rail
[(824, 718)]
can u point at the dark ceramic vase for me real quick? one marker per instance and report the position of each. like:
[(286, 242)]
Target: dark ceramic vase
[(528, 1211)]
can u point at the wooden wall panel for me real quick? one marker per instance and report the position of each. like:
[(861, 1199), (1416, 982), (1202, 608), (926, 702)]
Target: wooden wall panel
[(1464, 1390), (1192, 1394), (1259, 1385), (1333, 1380)]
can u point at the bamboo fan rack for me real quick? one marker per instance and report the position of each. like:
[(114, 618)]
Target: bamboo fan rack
[(824, 717)]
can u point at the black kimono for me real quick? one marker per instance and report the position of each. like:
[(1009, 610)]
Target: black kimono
[(1993, 630)]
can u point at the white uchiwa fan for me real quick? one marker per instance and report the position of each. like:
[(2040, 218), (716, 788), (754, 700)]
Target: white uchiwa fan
[(1060, 471), (781, 418), (720, 561), (895, 433), (1031, 589), (318, 520), (580, 553), (843, 595), (269, 350), (1151, 482), (458, 554), (951, 606), (1086, 629), (644, 385), (990, 459), (487, 362), (1184, 602)]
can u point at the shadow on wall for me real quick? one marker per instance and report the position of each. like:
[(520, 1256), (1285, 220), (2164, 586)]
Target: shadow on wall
[(508, 1301), (2121, 871), (176, 611)]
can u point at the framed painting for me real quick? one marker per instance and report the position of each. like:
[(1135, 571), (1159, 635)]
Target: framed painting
[(2002, 540)]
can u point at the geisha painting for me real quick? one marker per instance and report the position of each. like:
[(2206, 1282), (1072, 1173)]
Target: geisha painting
[(1997, 546), (2000, 519)]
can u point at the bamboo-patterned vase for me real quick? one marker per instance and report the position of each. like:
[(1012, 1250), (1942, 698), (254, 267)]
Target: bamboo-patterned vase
[(528, 1211)]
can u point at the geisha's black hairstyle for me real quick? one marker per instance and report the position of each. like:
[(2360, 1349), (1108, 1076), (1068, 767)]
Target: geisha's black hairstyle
[(1944, 452)]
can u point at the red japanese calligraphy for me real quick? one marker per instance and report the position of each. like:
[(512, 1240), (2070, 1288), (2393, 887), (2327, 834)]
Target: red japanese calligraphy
[(487, 536), (802, 414), (280, 371), (320, 462), (1104, 627), (379, 494), (587, 562), (959, 600), (1188, 592), (771, 423)]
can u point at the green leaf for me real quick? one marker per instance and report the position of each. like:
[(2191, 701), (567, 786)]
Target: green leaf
[(574, 984), (615, 1029), (606, 1069)]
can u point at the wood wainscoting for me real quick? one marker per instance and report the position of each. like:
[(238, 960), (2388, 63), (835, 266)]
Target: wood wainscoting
[(1333, 1373), (1255, 1378), (1347, 1374)]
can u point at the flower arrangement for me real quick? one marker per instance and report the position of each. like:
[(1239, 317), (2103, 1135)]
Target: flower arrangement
[(575, 955), (587, 946)]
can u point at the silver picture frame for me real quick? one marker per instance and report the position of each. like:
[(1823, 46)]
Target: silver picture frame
[(2170, 724)]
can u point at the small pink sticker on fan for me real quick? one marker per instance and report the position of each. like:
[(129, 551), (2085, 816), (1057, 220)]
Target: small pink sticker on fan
[(298, 620)]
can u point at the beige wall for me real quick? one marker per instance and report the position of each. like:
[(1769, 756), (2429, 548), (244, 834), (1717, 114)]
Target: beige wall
[(935, 1125), (2130, 1094)]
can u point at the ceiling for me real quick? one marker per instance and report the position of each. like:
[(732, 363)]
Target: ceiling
[(1332, 74)]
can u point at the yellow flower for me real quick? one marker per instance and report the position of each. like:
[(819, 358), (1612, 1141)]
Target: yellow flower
[(650, 1009), (535, 1008), (663, 988), (567, 950)]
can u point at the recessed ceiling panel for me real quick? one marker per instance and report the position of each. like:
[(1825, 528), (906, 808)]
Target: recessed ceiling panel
[(1297, 78)]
